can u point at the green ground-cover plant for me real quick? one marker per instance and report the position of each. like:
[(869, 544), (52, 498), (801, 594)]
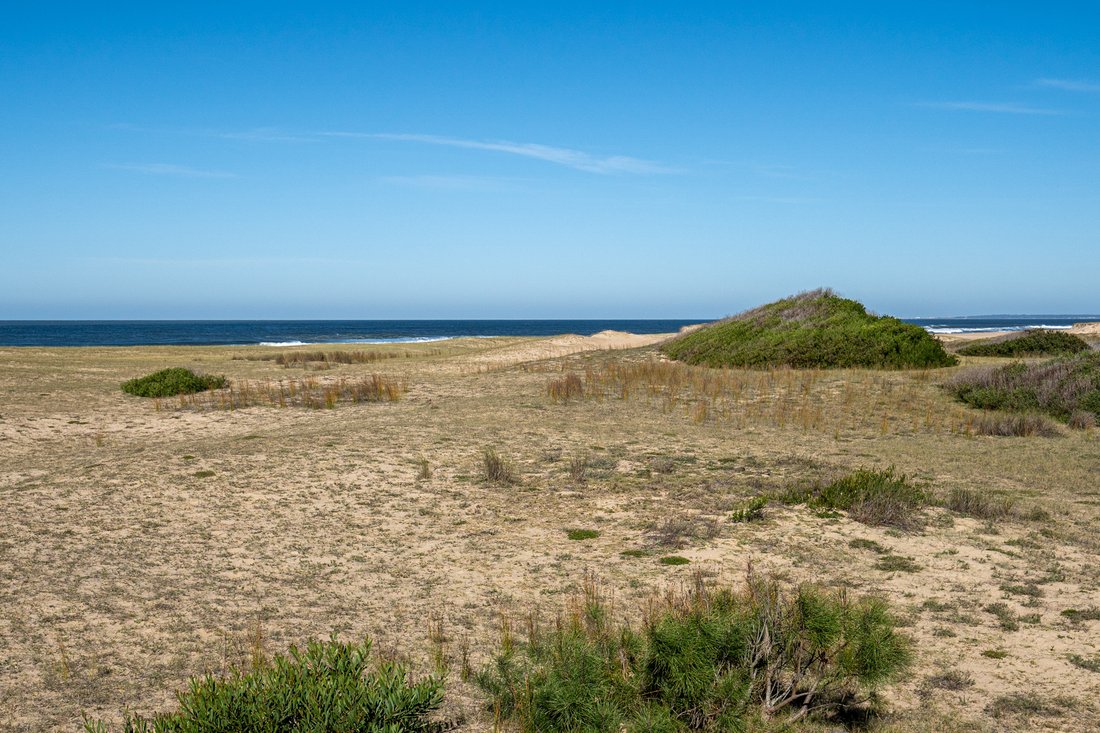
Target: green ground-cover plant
[(702, 660), (328, 687), (817, 329), (1034, 342), (171, 382), (874, 497), (1060, 387)]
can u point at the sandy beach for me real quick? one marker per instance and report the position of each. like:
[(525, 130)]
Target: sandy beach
[(146, 542)]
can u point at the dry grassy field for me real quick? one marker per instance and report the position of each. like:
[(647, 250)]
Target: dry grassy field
[(147, 541)]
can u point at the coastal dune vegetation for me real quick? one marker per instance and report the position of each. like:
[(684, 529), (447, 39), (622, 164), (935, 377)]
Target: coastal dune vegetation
[(812, 330)]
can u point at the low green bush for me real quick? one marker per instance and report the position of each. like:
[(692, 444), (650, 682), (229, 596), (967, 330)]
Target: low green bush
[(1061, 387), (1037, 342), (329, 687), (171, 382), (704, 660), (878, 498)]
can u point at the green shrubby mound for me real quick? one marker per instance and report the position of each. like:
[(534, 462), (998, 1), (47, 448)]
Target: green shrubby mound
[(757, 658), (1035, 342), (330, 687), (1067, 388), (172, 382), (813, 330)]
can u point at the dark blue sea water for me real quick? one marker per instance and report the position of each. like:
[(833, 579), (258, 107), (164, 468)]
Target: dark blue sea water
[(286, 333)]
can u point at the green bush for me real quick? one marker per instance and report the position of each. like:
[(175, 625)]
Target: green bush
[(1039, 342), (816, 330), (1061, 387), (704, 660), (880, 498), (327, 688), (172, 382)]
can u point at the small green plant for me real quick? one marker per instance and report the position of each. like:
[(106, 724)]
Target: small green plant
[(1092, 613), (702, 660), (750, 512), (1092, 664), (897, 564), (995, 653), (1025, 589), (863, 544), (673, 560), (635, 553), (203, 474), (424, 469), (328, 687), (1005, 616), (1031, 704), (172, 382), (496, 469), (582, 534)]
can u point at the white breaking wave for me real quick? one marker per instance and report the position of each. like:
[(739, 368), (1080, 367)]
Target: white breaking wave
[(993, 329), (283, 343)]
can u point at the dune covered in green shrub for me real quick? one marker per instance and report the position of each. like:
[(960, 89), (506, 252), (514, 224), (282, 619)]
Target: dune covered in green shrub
[(1034, 342), (812, 330)]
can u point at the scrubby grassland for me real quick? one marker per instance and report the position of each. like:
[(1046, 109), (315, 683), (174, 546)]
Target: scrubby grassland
[(143, 547), (1028, 343), (812, 330), (172, 382), (1066, 388)]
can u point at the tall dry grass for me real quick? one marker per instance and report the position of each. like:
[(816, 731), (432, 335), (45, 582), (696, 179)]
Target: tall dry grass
[(816, 400), (308, 392)]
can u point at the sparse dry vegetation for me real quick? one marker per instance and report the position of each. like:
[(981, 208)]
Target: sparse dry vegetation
[(147, 543)]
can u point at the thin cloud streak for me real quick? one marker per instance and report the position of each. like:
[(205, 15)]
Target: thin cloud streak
[(169, 169), (576, 159), (1069, 85), (995, 107)]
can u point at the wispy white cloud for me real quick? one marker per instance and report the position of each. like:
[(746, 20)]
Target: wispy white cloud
[(261, 134), (1069, 85), (1009, 108), (169, 169), (570, 158)]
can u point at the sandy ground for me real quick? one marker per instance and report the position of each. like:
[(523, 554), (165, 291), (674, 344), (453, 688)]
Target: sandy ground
[(142, 545)]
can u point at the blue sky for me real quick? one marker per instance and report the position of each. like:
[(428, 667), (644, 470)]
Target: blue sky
[(466, 160)]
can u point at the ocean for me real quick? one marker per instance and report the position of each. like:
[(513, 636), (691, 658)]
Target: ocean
[(296, 333)]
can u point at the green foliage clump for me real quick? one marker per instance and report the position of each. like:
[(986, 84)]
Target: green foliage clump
[(171, 382), (326, 688), (879, 498), (1060, 387), (750, 512), (1034, 342), (813, 330), (704, 660), (582, 534)]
